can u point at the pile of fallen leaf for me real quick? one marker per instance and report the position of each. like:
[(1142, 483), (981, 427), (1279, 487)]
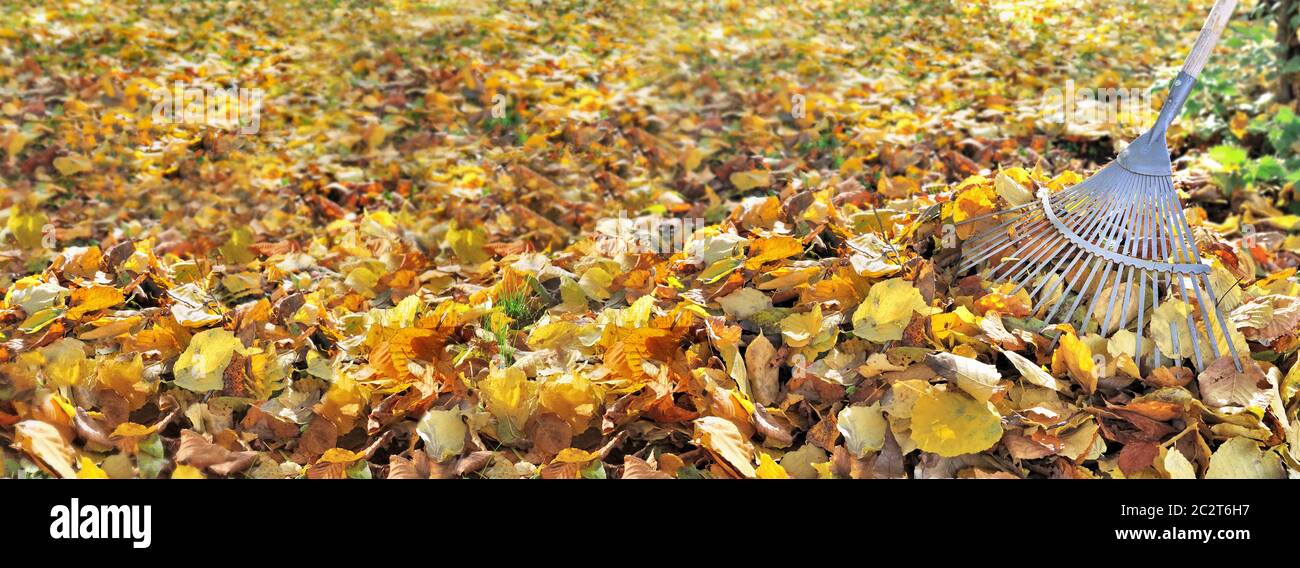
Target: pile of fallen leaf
[(394, 279)]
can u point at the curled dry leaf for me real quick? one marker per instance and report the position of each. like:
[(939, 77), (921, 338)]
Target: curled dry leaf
[(763, 369)]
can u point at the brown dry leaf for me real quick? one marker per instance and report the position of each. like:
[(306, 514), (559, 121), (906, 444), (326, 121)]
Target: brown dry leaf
[(1223, 385), (762, 368), (197, 451), (637, 468)]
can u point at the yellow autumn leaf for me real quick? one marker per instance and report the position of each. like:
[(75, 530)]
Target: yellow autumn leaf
[(236, 250), (93, 299), (752, 179), (340, 455), (1238, 125), (800, 464), (863, 428), (109, 327), (723, 438), (511, 398), (1011, 190), (132, 430), (951, 424), (1175, 465), (72, 164), (575, 455), (1073, 356), (200, 366), (744, 303), (769, 249), (66, 363), (1169, 329), (959, 324), (28, 228), (468, 244), (572, 397), (343, 403), (1035, 374), (187, 472), (88, 470), (886, 311), (269, 371), (976, 198), (595, 283), (769, 469), (800, 329), (823, 470), (551, 335)]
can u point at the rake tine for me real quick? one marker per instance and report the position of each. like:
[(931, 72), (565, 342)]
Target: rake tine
[(1142, 313), (1089, 225), (1131, 248), (1034, 236), (1119, 275), (1046, 267), (1145, 233), (1105, 232), (1026, 260), (1191, 323), (990, 235), (1178, 253), (1166, 251), (1173, 334), (1104, 330), (1054, 239), (1169, 204), (1086, 320), (1129, 285), (1029, 231), (1189, 242), (1205, 279), (1205, 313), (1034, 218), (1073, 257), (1094, 262), (1158, 244), (1223, 326), (992, 247), (1128, 299), (1112, 233)]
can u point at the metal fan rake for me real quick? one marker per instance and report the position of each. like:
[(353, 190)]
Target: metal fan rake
[(1119, 239)]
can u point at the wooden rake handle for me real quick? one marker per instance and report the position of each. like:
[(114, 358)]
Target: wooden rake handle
[(1214, 25)]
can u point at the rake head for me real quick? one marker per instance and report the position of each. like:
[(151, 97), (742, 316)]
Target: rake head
[(1117, 245)]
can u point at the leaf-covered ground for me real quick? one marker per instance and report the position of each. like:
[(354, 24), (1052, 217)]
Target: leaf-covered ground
[(415, 269)]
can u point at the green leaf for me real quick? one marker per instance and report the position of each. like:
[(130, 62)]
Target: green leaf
[(359, 469), (150, 460), (1292, 66), (594, 470), (1230, 157), (1267, 168)]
